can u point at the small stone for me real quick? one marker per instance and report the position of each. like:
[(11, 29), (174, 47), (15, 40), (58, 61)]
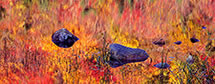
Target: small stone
[(162, 65), (178, 42), (190, 59), (194, 40)]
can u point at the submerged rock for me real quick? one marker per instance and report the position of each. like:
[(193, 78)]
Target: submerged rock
[(178, 42), (203, 27), (121, 55), (63, 38), (162, 65), (194, 40)]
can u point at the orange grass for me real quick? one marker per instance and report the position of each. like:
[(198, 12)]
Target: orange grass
[(27, 54)]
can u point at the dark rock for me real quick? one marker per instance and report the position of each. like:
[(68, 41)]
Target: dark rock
[(178, 42), (121, 55), (194, 40), (203, 27), (162, 65), (63, 38)]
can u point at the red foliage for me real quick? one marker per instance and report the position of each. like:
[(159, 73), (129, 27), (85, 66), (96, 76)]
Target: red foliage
[(210, 60), (91, 2), (4, 3), (97, 72), (32, 77)]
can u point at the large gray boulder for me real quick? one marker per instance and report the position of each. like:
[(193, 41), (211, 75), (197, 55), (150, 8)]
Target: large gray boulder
[(121, 55)]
